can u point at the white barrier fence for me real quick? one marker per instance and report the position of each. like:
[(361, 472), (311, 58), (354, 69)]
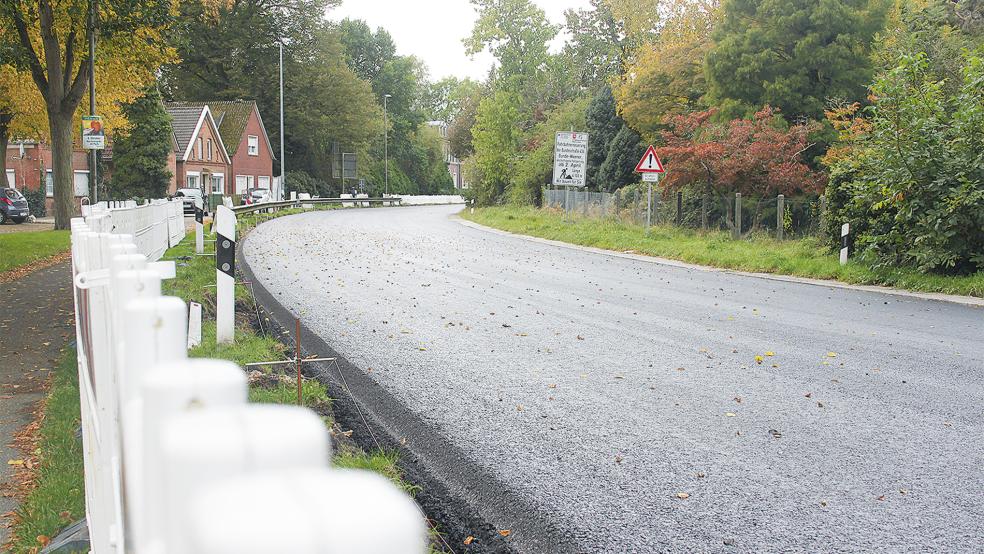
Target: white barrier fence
[(176, 460), (409, 200)]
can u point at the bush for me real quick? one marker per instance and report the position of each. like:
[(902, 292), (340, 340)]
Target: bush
[(36, 199), (914, 185)]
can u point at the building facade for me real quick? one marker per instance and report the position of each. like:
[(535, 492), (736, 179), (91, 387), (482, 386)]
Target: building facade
[(201, 159), (28, 165), (454, 164)]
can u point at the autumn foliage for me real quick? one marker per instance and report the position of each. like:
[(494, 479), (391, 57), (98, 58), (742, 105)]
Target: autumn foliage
[(762, 156)]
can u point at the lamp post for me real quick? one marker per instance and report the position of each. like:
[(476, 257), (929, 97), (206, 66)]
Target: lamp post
[(386, 175), (283, 161)]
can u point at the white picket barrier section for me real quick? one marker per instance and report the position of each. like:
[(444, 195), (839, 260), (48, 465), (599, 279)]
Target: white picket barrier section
[(176, 460), (425, 200)]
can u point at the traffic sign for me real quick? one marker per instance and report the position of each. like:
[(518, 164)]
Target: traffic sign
[(570, 159), (93, 133), (650, 162)]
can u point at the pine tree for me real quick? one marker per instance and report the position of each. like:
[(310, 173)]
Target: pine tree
[(140, 155)]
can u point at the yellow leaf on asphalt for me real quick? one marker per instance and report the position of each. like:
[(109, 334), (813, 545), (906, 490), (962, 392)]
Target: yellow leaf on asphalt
[(682, 495), (505, 532), (770, 353), (468, 540), (758, 359), (15, 462), (831, 354), (730, 414)]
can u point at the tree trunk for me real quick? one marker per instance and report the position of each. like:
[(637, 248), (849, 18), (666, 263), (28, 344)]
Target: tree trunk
[(61, 167), (5, 119)]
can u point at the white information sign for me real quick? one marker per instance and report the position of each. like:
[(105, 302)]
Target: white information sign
[(570, 159), (650, 177)]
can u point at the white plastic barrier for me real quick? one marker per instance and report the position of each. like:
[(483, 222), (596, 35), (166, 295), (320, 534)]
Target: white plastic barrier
[(408, 200), (176, 460), (155, 226)]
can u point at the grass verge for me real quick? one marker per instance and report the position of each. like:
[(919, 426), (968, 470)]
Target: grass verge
[(800, 257), (57, 495), (21, 249)]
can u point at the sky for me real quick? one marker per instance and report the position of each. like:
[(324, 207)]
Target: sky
[(432, 30)]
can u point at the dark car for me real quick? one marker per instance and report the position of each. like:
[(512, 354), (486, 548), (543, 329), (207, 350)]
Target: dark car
[(13, 206)]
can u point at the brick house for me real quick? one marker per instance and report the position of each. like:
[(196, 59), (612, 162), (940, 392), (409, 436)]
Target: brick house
[(247, 142), (201, 159), (28, 166)]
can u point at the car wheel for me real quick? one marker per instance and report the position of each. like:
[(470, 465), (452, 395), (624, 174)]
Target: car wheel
[(3, 217), (18, 220)]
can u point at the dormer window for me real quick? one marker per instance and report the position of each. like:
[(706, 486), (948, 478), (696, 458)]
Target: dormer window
[(253, 145)]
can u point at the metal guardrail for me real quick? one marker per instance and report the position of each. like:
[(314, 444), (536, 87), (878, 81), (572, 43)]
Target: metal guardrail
[(251, 208)]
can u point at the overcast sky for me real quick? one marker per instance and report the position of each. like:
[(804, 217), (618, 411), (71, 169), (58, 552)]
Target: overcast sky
[(432, 30)]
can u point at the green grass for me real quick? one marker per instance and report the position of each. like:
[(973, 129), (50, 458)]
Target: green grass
[(20, 249), (800, 257), (57, 498)]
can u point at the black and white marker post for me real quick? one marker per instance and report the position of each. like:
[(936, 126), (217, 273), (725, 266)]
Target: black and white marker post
[(845, 243), (225, 274), (199, 227)]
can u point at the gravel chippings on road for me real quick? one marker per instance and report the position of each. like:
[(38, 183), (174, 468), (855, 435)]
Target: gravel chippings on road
[(649, 408)]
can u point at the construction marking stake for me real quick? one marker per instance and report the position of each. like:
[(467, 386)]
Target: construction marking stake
[(225, 272), (194, 324), (297, 360)]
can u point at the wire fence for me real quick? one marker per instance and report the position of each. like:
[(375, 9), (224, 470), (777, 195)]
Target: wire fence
[(777, 216)]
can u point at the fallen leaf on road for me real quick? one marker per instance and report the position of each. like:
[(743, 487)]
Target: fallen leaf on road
[(682, 495), (770, 353), (505, 532), (758, 359), (468, 540), (15, 462), (730, 414), (579, 337), (881, 498), (831, 354)]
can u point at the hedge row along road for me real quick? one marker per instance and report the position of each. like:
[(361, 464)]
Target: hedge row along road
[(593, 403)]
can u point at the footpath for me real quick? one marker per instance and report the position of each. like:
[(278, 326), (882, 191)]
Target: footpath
[(36, 324)]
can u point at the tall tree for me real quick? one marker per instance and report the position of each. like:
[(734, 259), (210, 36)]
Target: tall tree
[(51, 44), (497, 138), (366, 52), (140, 152), (516, 32), (792, 54)]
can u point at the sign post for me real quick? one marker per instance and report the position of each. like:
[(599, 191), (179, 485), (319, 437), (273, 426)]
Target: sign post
[(570, 162), (651, 168)]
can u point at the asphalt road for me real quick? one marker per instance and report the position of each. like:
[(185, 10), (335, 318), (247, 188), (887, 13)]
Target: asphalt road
[(622, 399)]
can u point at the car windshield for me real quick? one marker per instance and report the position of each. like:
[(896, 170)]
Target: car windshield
[(13, 194)]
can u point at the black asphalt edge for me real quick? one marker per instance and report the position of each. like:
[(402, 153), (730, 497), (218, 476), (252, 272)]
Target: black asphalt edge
[(464, 499)]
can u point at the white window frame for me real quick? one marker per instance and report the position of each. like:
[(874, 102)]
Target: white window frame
[(209, 150), (87, 187), (11, 178), (253, 145), (49, 184), (200, 143), (221, 178), (241, 184), (198, 180), (259, 182), (250, 182)]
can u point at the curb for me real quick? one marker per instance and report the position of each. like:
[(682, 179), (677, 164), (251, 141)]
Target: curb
[(462, 496), (972, 301)]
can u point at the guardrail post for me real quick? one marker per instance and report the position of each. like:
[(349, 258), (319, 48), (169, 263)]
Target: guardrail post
[(679, 214), (846, 245), (736, 231)]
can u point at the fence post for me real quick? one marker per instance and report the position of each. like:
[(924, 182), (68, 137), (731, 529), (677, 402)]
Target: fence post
[(780, 216), (736, 232), (679, 214), (199, 226), (703, 211), (225, 275)]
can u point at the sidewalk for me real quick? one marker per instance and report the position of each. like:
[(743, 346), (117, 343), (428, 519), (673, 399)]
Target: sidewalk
[(36, 322)]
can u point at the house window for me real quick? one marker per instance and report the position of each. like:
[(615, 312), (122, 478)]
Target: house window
[(11, 179), (250, 181), (192, 181), (253, 145), (81, 179), (240, 184), (200, 148), (49, 184), (264, 183), (218, 184), (209, 149)]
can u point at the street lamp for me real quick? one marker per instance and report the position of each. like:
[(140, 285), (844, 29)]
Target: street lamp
[(386, 175), (283, 161)]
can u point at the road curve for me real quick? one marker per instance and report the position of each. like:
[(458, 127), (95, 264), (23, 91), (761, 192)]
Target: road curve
[(623, 400)]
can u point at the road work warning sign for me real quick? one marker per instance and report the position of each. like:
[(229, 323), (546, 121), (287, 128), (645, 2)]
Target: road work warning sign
[(570, 159)]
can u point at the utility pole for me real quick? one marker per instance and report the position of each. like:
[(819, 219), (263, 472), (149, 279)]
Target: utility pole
[(386, 174), (283, 160), (93, 155)]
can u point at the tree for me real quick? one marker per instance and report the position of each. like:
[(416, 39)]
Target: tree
[(534, 162), (911, 182), (366, 52), (613, 147), (666, 76), (140, 152), (51, 44), (497, 138), (792, 54), (516, 32)]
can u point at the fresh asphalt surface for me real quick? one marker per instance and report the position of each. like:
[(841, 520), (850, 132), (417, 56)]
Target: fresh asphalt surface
[(598, 388)]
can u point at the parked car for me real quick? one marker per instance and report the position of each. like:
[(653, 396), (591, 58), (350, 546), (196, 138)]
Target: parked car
[(13, 206), (189, 196), (256, 196)]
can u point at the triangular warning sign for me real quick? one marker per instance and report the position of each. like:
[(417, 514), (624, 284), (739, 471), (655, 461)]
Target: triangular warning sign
[(650, 162)]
